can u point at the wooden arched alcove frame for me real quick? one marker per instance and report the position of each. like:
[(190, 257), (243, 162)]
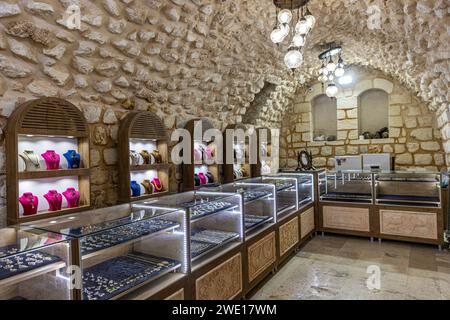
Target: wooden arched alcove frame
[(142, 125), (189, 169), (48, 117)]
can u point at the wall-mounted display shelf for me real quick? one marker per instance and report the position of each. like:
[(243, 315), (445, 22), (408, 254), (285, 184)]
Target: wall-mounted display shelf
[(143, 157), (203, 169), (241, 167), (47, 148), (265, 164)]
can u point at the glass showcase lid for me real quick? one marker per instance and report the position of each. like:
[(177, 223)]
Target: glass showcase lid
[(17, 239), (91, 222), (281, 183), (250, 191), (198, 203)]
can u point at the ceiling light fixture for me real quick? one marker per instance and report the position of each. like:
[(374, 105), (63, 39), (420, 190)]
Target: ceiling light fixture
[(331, 70), (285, 22)]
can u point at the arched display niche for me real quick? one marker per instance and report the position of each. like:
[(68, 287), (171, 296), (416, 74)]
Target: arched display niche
[(190, 170), (264, 167), (139, 131), (235, 172), (39, 125)]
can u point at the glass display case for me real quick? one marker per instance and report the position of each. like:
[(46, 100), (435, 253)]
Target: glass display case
[(33, 263), (346, 186), (305, 185), (215, 218), (259, 202), (408, 188), (122, 248), (286, 191)]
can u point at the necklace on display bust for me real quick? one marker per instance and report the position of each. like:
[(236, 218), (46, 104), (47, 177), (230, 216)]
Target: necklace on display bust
[(54, 200), (135, 189), (51, 159), (73, 159), (72, 197), (29, 203), (157, 185), (31, 160), (135, 158), (147, 186)]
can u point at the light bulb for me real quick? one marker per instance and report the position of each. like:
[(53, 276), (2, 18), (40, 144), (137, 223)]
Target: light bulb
[(277, 35), (310, 19), (332, 90), (293, 59), (330, 77), (285, 30), (302, 26), (298, 40), (331, 66), (322, 78), (339, 72), (285, 16)]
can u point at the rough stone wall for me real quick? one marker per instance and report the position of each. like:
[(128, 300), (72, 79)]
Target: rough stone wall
[(414, 138)]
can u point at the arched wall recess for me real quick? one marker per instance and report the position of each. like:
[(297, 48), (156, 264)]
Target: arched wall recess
[(373, 111), (324, 113)]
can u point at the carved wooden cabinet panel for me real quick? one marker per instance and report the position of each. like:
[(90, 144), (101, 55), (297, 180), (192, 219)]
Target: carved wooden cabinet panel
[(289, 235), (261, 255), (346, 218), (307, 223), (409, 223), (178, 295), (221, 283)]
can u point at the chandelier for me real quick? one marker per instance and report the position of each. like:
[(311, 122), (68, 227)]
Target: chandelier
[(285, 22), (331, 69)]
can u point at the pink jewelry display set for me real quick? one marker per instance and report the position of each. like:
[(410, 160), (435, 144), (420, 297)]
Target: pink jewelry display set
[(30, 202)]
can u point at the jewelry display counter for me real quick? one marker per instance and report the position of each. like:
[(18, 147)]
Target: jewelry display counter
[(259, 249), (143, 154), (47, 148), (409, 206), (123, 248), (345, 203), (33, 264), (215, 239)]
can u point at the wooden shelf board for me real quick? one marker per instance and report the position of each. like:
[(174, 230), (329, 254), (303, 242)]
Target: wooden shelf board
[(50, 214), (31, 274), (28, 175), (148, 196), (156, 166)]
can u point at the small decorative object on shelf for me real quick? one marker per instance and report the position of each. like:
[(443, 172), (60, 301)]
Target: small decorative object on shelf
[(73, 159), (147, 157), (54, 199), (52, 159), (202, 178), (135, 158), (29, 203), (135, 189), (73, 197), (157, 156), (148, 186), (31, 160), (157, 185), (210, 177), (196, 180)]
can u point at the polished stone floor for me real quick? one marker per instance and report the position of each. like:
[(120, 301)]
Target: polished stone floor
[(335, 267)]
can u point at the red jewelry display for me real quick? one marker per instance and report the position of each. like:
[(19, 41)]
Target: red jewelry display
[(54, 200), (51, 159), (72, 197), (157, 185), (29, 203), (202, 177)]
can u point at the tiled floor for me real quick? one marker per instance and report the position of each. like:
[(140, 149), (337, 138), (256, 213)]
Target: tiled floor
[(335, 267)]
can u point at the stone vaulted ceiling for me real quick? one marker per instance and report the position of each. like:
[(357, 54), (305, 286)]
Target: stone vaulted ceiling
[(207, 57)]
